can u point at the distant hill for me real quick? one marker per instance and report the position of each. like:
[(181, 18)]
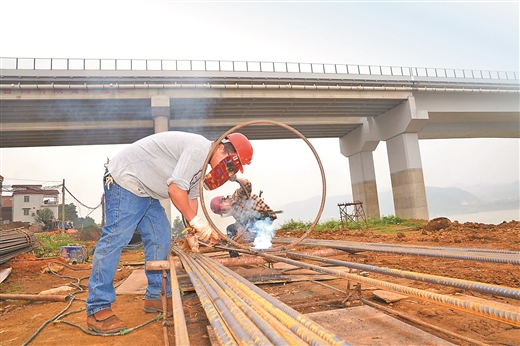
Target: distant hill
[(494, 192), (441, 201)]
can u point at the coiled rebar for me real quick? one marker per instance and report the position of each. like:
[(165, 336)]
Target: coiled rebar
[(295, 242)]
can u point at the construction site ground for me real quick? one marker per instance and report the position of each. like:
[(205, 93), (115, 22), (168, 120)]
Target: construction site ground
[(22, 320)]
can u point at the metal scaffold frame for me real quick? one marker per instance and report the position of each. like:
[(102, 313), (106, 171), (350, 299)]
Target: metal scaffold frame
[(357, 215)]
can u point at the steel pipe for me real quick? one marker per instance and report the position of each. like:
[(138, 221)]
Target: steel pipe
[(35, 297)]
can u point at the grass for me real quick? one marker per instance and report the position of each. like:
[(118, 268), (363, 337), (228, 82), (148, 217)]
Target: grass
[(49, 244), (16, 288), (386, 225)]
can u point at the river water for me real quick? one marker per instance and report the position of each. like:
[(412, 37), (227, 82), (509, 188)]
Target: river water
[(489, 217)]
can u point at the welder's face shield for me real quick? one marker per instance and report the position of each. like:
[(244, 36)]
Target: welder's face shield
[(222, 172)]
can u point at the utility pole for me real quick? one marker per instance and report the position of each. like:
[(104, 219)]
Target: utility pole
[(63, 207)]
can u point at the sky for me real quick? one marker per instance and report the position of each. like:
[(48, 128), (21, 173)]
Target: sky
[(464, 35)]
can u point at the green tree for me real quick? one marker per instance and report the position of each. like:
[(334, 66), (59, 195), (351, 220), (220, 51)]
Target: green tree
[(84, 222), (45, 216), (71, 213), (178, 227)]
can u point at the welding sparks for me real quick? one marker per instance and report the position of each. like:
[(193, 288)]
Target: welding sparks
[(264, 233)]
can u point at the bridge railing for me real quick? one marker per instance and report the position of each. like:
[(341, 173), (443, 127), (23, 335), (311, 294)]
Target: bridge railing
[(246, 66)]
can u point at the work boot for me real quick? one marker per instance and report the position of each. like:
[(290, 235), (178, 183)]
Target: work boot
[(156, 305), (105, 321)]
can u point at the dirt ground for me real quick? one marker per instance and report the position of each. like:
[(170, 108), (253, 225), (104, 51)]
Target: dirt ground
[(23, 321)]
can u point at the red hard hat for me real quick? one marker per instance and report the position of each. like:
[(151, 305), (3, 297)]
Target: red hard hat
[(243, 148), (215, 204)]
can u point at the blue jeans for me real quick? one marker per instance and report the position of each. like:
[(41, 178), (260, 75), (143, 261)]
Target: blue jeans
[(125, 212)]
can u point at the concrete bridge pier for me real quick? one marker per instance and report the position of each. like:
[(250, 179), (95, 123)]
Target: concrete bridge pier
[(161, 123), (363, 178), (358, 146), (407, 177), (399, 127)]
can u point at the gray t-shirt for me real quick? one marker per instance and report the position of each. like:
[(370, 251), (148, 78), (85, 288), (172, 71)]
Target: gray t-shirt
[(148, 166)]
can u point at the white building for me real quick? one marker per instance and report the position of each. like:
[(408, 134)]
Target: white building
[(28, 199)]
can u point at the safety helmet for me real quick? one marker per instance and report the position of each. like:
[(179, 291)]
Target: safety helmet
[(215, 204), (243, 148)]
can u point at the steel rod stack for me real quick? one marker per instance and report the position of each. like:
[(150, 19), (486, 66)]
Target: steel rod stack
[(510, 317), (480, 287), (14, 242), (242, 314), (481, 255)]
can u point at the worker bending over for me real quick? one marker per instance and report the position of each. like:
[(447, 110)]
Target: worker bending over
[(166, 165)]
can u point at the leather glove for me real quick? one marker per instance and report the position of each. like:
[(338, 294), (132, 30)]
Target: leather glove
[(203, 230), (191, 243)]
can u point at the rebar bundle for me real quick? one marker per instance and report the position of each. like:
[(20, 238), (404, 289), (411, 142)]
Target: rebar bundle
[(14, 242), (491, 312), (242, 314)]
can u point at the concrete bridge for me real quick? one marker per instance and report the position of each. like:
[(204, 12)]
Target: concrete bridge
[(57, 102)]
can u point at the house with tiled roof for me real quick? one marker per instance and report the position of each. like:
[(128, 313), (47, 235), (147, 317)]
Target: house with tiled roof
[(28, 199)]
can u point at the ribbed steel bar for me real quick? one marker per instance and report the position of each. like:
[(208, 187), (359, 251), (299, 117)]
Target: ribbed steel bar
[(245, 331), (281, 310), (270, 331), (501, 315), (435, 279), (276, 325), (181, 332), (14, 242), (237, 261), (309, 337), (222, 332), (228, 312), (409, 250), (452, 248)]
